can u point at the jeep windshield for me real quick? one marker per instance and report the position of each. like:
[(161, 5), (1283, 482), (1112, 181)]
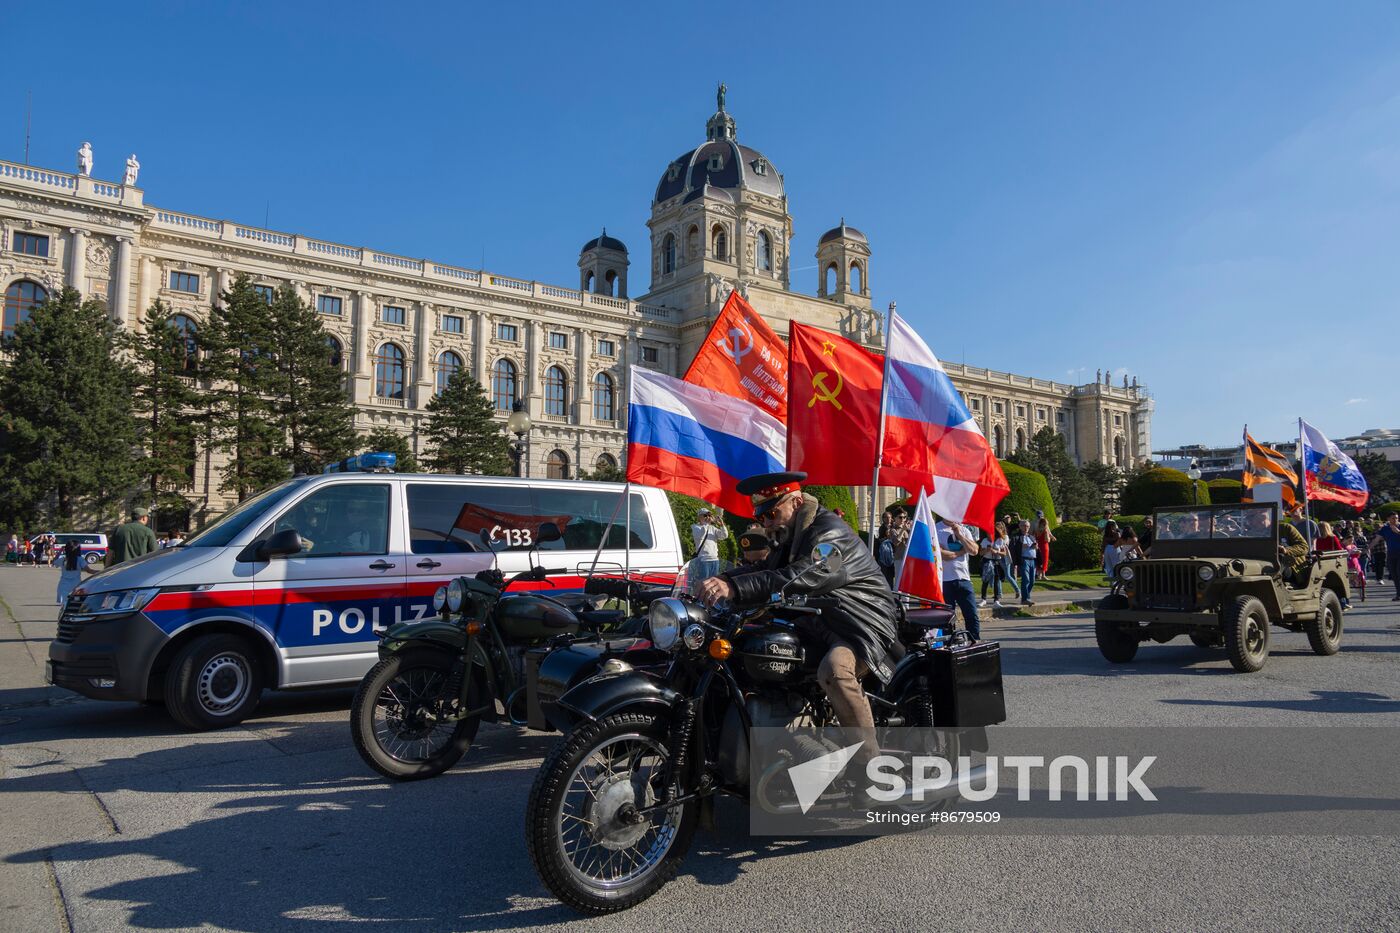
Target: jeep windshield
[(1244, 530), (244, 514)]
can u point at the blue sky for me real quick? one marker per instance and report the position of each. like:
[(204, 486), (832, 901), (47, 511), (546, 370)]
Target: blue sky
[(1202, 195)]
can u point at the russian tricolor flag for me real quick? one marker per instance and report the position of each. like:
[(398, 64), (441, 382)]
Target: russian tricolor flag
[(921, 572), (699, 442)]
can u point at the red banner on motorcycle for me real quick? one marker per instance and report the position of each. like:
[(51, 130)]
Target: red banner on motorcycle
[(834, 408), (742, 356)]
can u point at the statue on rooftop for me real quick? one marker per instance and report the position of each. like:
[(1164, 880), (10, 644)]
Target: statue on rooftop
[(132, 169), (85, 159), (719, 96)]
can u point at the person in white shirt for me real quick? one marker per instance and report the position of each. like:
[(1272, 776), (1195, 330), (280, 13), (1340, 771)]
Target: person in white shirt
[(956, 543), (707, 532), (996, 554)]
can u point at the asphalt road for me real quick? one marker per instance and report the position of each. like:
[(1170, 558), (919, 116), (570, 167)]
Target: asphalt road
[(115, 819)]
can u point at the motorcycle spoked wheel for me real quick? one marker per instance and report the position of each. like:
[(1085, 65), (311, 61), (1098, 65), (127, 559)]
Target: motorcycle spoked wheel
[(581, 842), (395, 717)]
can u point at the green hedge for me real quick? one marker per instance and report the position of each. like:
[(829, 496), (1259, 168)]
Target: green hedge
[(1388, 508), (686, 510), (1130, 521), (834, 497), (1225, 491), (1078, 546), (1159, 487), (1029, 492)]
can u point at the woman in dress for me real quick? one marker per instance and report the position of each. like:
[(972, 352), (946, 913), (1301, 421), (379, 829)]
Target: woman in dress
[(1043, 537)]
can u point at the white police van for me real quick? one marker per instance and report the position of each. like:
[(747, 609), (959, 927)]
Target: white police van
[(205, 626)]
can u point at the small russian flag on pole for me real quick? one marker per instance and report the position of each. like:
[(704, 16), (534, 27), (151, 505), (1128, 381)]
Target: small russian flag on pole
[(921, 572)]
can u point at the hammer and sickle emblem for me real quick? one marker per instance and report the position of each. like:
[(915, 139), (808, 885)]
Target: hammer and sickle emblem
[(820, 392), (733, 348)]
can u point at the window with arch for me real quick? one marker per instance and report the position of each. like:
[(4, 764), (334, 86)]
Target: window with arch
[(610, 280), (335, 355), (1020, 439), (831, 277), (187, 344), (588, 281), (449, 364), (1118, 451), (504, 384), (556, 391), (692, 243), (389, 371), (998, 442), (606, 463), (557, 467), (603, 398), (21, 298), (668, 255), (856, 278), (720, 243), (765, 252)]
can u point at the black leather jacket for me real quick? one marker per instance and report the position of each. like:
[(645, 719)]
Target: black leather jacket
[(866, 620)]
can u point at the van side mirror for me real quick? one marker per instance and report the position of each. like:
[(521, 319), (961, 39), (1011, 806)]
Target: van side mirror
[(284, 543)]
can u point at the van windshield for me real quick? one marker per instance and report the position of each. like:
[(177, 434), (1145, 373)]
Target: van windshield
[(244, 514)]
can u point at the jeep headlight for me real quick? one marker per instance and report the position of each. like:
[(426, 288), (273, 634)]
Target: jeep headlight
[(456, 592), (1206, 573), (1125, 573), (664, 621), (439, 598), (117, 602)]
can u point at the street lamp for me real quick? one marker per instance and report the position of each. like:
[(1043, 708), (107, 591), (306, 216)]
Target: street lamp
[(518, 424), (1194, 474)]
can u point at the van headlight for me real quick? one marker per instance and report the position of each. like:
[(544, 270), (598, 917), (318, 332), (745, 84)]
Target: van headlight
[(1206, 573), (1125, 573), (117, 602), (439, 598), (456, 592), (664, 621)]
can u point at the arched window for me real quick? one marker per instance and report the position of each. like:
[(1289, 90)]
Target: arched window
[(21, 298), (503, 385), (1020, 439), (832, 276), (334, 354), (692, 243), (588, 281), (558, 465), (720, 242), (610, 277), (449, 364), (997, 443), (668, 255), (855, 279), (188, 345), (603, 397), (1118, 451), (765, 252), (605, 463), (389, 371), (556, 391)]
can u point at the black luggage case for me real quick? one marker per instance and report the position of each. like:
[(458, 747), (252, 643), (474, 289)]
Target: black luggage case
[(967, 686)]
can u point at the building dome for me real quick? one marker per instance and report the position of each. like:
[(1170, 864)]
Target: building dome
[(721, 163), (605, 242), (843, 231)]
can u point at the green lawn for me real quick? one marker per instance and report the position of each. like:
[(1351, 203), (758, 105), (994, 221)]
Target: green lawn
[(1073, 580)]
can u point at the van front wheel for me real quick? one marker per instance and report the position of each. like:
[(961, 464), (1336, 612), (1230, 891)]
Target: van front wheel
[(214, 681)]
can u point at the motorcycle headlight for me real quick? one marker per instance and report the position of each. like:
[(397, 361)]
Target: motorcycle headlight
[(1206, 573), (1125, 573), (456, 592), (694, 636), (665, 622), (439, 598), (117, 602)]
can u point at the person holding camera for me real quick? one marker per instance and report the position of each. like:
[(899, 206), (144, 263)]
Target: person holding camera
[(707, 532)]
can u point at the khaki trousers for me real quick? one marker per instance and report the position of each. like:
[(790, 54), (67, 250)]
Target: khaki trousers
[(839, 675)]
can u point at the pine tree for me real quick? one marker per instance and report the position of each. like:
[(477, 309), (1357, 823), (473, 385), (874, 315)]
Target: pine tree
[(1075, 496), (238, 354), (69, 437), (387, 440), (462, 436), (309, 403), (165, 397)]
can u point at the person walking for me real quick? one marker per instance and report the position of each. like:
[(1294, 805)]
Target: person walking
[(12, 550), (1355, 567), (132, 539), (955, 543), (707, 533), (1149, 531), (70, 570), (1390, 533), (1024, 543), (1043, 538), (1378, 555), (996, 554), (1129, 547), (1110, 549)]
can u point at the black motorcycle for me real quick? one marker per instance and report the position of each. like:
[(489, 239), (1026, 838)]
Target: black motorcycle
[(615, 804), (417, 711)]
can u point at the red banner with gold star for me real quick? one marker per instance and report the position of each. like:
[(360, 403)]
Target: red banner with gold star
[(833, 407)]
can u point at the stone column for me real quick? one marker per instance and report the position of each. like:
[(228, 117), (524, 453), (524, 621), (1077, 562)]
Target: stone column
[(360, 370), (480, 361), (423, 362), (221, 283), (147, 284), (77, 258), (532, 362), (624, 388), (121, 297), (583, 391)]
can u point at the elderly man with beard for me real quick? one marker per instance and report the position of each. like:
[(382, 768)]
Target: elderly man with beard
[(858, 626)]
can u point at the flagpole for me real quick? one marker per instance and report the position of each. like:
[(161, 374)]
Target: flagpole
[(1303, 484), (880, 436)]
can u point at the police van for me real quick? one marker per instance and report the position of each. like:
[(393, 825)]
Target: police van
[(290, 588)]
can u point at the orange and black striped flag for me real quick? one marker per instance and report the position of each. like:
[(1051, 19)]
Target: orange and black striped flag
[(1264, 465)]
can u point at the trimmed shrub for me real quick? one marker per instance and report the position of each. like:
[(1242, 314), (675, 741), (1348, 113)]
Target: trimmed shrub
[(1078, 546), (686, 510), (1029, 492), (1388, 509), (1130, 521), (1225, 491), (833, 498), (1159, 487)]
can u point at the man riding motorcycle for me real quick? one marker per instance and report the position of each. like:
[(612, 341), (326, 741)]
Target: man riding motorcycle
[(859, 630)]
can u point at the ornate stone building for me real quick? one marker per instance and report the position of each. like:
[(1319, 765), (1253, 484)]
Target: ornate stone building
[(402, 325)]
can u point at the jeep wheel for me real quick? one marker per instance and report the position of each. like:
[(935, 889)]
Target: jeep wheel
[(1325, 632), (1117, 646), (1207, 640), (1246, 625)]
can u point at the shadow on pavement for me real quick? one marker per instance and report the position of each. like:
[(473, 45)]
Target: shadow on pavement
[(1324, 701)]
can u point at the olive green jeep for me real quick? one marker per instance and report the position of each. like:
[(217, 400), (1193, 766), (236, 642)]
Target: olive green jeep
[(1218, 575)]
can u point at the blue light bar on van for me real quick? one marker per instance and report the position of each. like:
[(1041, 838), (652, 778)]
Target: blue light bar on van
[(382, 462)]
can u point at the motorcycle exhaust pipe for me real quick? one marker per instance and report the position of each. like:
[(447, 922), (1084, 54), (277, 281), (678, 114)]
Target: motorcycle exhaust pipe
[(524, 718)]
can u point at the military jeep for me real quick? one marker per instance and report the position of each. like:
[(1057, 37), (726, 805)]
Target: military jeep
[(1217, 575)]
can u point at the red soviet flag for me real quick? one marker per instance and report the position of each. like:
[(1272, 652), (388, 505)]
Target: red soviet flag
[(833, 408), (743, 357)]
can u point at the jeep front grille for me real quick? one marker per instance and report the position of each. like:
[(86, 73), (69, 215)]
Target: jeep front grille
[(1165, 586)]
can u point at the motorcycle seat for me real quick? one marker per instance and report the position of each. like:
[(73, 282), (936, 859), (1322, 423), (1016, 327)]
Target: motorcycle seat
[(601, 618), (577, 602)]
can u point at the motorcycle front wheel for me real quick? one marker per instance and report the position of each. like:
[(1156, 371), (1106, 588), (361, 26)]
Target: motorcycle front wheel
[(588, 844), (397, 717)]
